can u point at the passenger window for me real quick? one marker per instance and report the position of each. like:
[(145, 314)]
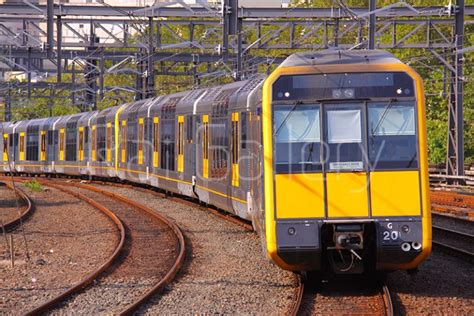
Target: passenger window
[(344, 137), (243, 119), (392, 136), (297, 138)]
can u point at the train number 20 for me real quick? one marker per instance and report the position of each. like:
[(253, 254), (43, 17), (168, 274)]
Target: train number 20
[(390, 234)]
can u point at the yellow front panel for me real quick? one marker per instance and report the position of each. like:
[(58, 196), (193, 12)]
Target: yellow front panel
[(299, 195), (347, 194), (61, 144), (395, 193), (5, 147)]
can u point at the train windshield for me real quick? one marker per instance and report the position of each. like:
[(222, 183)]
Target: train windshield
[(297, 136), (348, 136), (392, 135)]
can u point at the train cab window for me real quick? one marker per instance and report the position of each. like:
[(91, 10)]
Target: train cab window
[(345, 141), (392, 136), (297, 138)]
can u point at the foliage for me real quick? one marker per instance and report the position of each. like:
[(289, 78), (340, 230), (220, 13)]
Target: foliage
[(34, 185)]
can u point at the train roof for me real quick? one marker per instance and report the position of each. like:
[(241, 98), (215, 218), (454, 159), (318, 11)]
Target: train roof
[(340, 57)]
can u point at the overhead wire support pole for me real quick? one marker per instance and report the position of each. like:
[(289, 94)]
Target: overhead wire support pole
[(59, 35), (455, 152), (372, 21), (50, 28), (150, 89)]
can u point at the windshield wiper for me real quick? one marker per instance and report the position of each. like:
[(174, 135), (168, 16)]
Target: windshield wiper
[(293, 108), (384, 114)]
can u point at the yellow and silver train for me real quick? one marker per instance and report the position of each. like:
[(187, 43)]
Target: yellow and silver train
[(326, 156)]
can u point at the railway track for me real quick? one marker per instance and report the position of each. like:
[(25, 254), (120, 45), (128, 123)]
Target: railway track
[(343, 296), (145, 261), (455, 242), (23, 213), (127, 249)]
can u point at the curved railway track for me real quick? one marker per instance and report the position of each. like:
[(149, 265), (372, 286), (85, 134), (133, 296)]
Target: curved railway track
[(28, 208), (88, 279), (117, 257)]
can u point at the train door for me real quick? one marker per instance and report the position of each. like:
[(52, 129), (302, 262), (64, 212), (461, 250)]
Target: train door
[(345, 166), (205, 146), (22, 146), (235, 148), (180, 143), (156, 142), (5, 147), (42, 145)]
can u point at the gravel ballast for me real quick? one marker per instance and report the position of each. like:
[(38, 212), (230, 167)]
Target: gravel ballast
[(66, 239), (225, 270)]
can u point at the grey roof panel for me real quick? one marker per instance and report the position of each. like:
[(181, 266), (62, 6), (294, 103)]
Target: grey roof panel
[(340, 57)]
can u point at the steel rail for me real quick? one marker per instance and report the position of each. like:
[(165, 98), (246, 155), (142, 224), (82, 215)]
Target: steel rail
[(9, 226), (89, 278), (387, 299), (298, 297), (456, 251), (168, 278)]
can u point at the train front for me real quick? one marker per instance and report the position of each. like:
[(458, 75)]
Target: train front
[(345, 163)]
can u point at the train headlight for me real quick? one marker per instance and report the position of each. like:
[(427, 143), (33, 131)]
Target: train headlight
[(291, 231), (349, 93), (337, 93), (405, 229)]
